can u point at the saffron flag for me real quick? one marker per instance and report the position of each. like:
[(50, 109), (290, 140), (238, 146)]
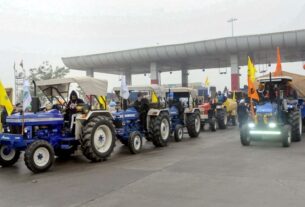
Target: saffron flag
[(252, 93), (124, 92), (278, 70), (5, 101), (26, 96)]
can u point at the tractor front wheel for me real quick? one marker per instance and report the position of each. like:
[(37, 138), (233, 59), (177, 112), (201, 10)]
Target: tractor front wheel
[(213, 124), (245, 137), (135, 142), (8, 157), (286, 136), (178, 134), (222, 118), (98, 140), (39, 156)]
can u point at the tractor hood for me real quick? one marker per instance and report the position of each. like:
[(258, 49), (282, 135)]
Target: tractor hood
[(267, 108), (129, 113), (41, 118)]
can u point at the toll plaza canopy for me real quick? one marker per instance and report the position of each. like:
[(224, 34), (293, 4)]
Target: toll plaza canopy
[(215, 53)]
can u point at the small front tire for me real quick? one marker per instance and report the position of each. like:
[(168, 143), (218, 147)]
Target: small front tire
[(8, 157), (245, 137), (178, 134), (135, 142), (286, 136), (39, 156)]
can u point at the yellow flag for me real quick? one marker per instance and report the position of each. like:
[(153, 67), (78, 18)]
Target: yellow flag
[(251, 70), (207, 82), (102, 100), (5, 101), (154, 98), (234, 97)]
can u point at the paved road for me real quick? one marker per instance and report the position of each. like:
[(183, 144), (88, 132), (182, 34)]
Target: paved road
[(213, 170)]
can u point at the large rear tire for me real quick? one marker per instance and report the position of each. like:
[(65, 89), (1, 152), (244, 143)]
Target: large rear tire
[(222, 118), (245, 137), (295, 122), (286, 136), (8, 157), (159, 130), (98, 139), (193, 124), (39, 156)]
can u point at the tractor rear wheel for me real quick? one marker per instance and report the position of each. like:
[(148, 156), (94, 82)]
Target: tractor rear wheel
[(159, 129), (98, 139), (295, 122), (178, 134), (193, 124), (286, 136), (245, 137), (222, 118), (135, 142), (8, 157), (39, 156)]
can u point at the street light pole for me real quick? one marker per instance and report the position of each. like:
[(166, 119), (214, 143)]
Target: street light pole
[(232, 20)]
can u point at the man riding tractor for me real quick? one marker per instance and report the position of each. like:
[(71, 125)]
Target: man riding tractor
[(277, 115), (45, 133), (143, 116), (183, 112)]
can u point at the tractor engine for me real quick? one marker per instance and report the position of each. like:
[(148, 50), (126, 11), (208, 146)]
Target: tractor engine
[(266, 120), (126, 121)]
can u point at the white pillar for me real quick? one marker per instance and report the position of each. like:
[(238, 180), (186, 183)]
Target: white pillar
[(234, 73), (184, 77), (127, 74), (154, 74), (90, 72)]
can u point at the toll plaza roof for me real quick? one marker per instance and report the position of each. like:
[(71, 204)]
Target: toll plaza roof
[(214, 53)]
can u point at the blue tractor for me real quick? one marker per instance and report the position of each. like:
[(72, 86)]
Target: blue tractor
[(45, 132), (183, 112), (277, 114), (137, 119)]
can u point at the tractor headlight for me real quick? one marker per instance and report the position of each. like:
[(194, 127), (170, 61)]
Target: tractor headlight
[(272, 125), (251, 125)]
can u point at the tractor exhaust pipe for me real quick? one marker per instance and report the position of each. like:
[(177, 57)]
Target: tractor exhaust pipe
[(35, 99)]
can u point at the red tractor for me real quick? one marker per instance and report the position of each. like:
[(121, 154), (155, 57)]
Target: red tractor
[(207, 116)]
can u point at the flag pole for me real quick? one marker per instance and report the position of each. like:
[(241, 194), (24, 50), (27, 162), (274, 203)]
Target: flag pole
[(22, 128)]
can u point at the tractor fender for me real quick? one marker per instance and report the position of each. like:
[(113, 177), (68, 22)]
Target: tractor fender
[(98, 113), (156, 112)]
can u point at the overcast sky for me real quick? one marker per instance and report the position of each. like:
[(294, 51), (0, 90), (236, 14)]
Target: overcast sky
[(35, 30)]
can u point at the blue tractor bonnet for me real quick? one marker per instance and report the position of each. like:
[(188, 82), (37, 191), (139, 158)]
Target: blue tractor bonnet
[(267, 108), (130, 113), (50, 117)]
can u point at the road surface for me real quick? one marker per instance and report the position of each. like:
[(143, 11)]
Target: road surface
[(212, 170)]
